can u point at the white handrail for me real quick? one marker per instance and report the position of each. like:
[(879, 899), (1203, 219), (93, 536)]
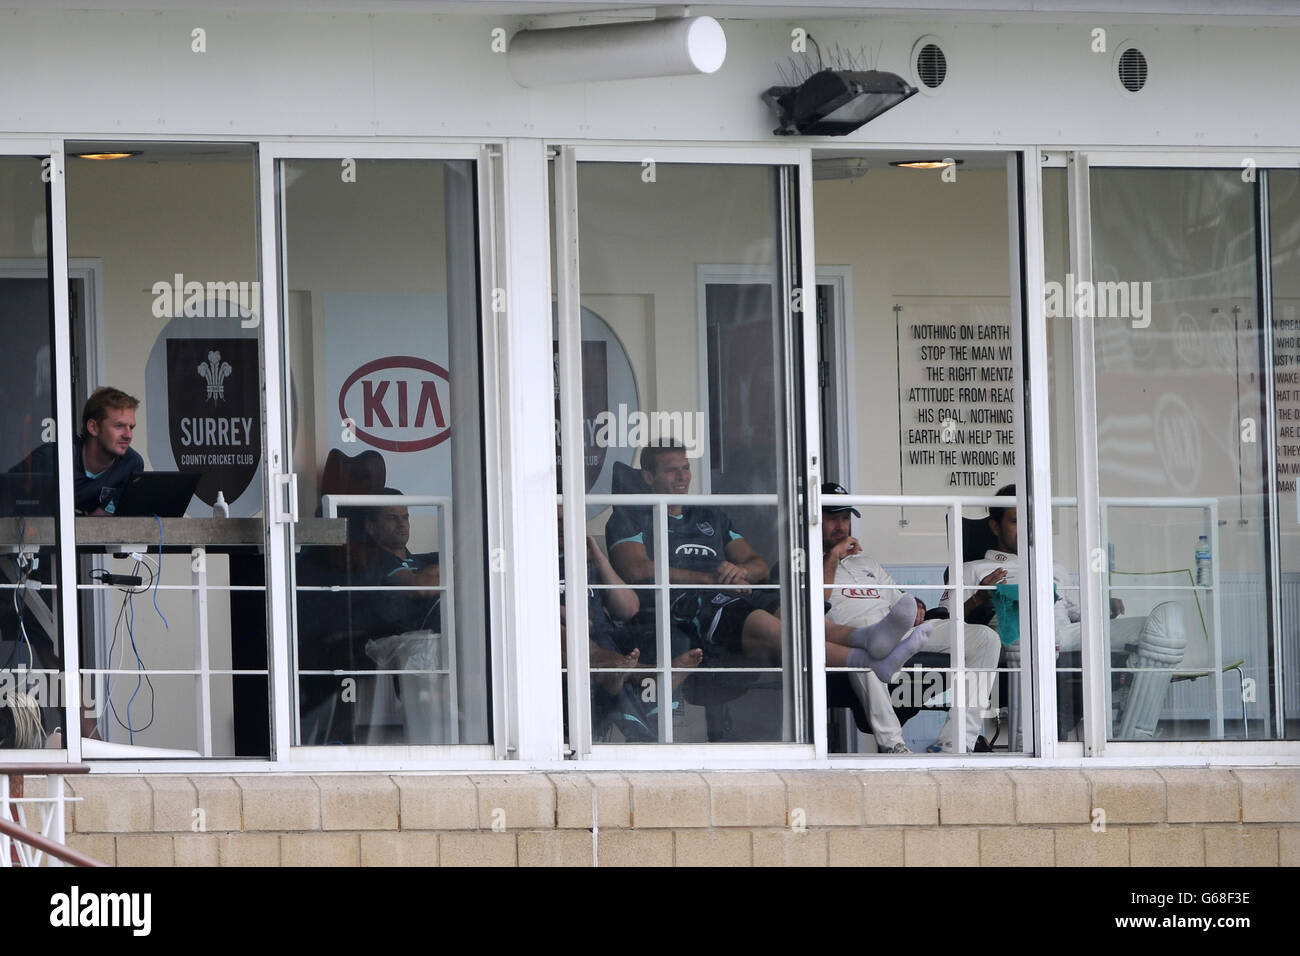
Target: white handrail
[(329, 508)]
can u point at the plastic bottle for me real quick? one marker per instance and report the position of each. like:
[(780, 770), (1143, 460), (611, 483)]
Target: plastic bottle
[(219, 508), (1204, 576)]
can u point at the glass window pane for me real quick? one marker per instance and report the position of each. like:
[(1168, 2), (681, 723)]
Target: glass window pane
[(921, 393), (1180, 379), (1284, 223), (687, 374), (382, 343), (172, 600), (31, 639)]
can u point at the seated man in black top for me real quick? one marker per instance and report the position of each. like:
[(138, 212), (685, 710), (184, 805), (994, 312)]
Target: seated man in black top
[(103, 460), (391, 564), (704, 549)]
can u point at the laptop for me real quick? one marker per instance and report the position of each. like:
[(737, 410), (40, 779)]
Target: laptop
[(26, 494), (163, 493)]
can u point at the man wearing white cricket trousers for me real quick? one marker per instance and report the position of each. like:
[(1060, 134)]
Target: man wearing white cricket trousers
[(860, 593)]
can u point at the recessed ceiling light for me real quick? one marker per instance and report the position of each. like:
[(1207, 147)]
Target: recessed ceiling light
[(928, 163), (108, 155)]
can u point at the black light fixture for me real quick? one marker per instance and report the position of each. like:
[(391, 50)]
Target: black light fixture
[(836, 102)]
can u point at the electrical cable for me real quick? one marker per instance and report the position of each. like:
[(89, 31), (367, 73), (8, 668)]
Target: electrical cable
[(29, 726), (99, 574), (155, 584), (108, 678), (24, 572), (130, 633), (128, 611)]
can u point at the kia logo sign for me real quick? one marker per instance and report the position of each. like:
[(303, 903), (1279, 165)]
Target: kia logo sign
[(399, 403), (696, 551), (860, 593)]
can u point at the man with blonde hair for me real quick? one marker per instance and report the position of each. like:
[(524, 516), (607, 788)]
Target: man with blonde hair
[(103, 460)]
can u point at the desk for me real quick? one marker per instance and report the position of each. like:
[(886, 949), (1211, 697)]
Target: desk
[(243, 539), (104, 532)]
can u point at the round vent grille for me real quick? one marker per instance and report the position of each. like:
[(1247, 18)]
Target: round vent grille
[(1132, 69), (932, 65)]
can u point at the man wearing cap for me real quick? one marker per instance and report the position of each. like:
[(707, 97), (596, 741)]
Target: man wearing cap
[(869, 688), (1155, 643), (861, 592)]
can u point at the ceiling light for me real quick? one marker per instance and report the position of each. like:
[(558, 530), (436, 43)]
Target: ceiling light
[(928, 163), (107, 155)]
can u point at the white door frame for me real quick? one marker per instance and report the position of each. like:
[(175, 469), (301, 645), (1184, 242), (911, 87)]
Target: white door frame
[(807, 469), (280, 481)]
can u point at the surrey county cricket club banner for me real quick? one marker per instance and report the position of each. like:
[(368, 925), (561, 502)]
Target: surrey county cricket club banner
[(203, 411), (386, 371)]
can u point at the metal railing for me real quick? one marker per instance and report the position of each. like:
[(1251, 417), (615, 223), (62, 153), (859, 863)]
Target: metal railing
[(957, 588), (38, 841), (446, 589), (662, 588)]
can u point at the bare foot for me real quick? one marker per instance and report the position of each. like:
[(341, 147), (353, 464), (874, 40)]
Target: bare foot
[(691, 658), (612, 681)]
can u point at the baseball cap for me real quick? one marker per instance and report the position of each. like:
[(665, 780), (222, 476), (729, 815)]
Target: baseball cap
[(831, 488)]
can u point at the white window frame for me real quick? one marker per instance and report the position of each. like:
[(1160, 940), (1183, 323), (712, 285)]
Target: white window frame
[(514, 259), (569, 294), (1078, 163), (1025, 238), (57, 252), (280, 522)]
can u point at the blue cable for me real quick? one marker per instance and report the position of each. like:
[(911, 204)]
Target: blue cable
[(155, 580)]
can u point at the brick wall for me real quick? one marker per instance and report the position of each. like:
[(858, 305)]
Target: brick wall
[(1216, 817)]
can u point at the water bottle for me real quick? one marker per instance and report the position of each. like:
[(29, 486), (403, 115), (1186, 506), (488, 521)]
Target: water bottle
[(1203, 575), (222, 510)]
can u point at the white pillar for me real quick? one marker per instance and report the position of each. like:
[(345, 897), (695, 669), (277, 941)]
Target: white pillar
[(528, 577)]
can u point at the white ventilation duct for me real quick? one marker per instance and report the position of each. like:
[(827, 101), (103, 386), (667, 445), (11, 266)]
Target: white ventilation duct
[(617, 51)]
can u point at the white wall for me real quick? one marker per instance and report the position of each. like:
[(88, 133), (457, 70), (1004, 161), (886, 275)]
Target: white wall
[(906, 233), (641, 244), (382, 233), (425, 75)]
